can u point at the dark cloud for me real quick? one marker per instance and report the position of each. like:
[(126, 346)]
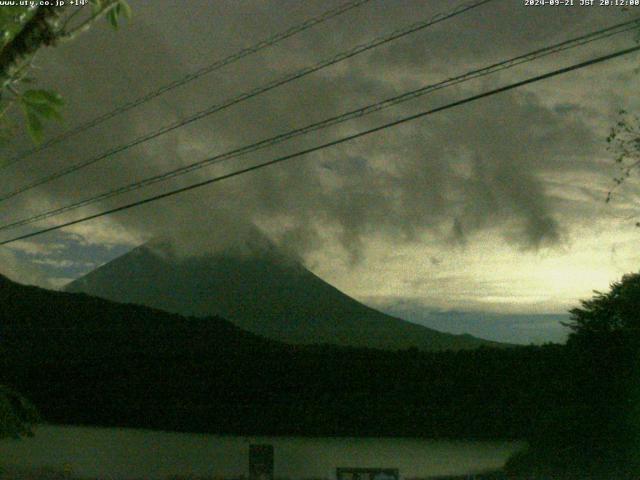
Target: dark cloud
[(451, 175)]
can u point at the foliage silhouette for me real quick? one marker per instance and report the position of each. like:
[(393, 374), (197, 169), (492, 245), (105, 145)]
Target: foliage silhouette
[(599, 436)]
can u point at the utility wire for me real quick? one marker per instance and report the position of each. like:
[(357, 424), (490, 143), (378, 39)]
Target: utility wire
[(250, 94), (329, 144), (503, 65), (278, 37)]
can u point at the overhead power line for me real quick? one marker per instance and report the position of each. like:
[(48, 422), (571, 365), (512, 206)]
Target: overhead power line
[(328, 144), (360, 112), (250, 94), (278, 37)]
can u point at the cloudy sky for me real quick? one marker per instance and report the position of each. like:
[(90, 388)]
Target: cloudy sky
[(495, 207)]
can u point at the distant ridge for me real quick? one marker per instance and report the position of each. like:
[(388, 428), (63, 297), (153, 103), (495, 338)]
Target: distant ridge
[(260, 289)]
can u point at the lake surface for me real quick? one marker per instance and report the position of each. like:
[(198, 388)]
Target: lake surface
[(129, 453)]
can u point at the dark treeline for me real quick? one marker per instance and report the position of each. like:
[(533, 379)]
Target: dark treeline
[(84, 360)]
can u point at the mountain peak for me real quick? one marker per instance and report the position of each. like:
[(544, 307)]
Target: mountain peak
[(251, 282), (239, 240)]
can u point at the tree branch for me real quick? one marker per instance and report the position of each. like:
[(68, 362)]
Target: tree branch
[(38, 32)]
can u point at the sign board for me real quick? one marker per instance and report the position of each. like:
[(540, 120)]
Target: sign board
[(261, 462), (344, 473)]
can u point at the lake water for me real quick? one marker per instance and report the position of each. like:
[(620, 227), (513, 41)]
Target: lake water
[(128, 453)]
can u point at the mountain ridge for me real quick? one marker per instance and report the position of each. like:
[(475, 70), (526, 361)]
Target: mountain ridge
[(260, 289)]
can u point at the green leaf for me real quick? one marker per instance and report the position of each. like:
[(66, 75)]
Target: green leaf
[(45, 110), (43, 103), (34, 125), (42, 97), (53, 97), (126, 9), (112, 16)]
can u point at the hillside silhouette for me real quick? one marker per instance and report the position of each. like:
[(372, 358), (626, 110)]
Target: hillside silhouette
[(89, 361)]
